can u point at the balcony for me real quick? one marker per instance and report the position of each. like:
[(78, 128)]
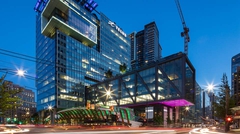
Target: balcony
[(55, 16)]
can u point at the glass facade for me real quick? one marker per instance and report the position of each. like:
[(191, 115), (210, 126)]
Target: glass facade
[(74, 49), (145, 47), (235, 78), (45, 68), (198, 103), (115, 47), (169, 82)]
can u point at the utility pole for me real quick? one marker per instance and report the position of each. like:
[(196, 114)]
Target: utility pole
[(204, 116)]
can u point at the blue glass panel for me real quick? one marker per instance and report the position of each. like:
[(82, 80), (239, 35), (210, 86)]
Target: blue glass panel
[(148, 77)]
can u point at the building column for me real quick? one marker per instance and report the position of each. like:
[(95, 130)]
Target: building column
[(52, 116), (41, 115)]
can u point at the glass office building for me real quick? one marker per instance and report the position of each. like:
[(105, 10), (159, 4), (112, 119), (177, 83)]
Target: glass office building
[(145, 47), (165, 88), (75, 46), (235, 78)]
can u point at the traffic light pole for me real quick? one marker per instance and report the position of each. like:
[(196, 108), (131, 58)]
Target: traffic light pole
[(227, 106)]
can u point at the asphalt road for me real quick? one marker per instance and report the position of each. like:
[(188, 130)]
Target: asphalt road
[(96, 131), (89, 130)]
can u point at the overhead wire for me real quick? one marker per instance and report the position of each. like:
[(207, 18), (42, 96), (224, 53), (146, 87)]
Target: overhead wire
[(14, 73), (36, 60)]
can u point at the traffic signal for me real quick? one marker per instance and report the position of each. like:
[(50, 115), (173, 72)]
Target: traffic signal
[(229, 119)]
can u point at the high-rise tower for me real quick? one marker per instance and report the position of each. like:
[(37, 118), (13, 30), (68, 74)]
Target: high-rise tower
[(236, 78), (145, 46), (75, 46)]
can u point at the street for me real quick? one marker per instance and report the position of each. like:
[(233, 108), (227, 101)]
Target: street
[(117, 130)]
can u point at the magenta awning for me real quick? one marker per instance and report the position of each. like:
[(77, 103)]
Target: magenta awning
[(175, 103)]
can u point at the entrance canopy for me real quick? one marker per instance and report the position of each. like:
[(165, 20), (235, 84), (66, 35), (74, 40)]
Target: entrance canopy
[(98, 115), (175, 103)]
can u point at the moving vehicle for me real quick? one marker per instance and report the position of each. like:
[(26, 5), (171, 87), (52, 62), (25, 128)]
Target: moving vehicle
[(12, 128)]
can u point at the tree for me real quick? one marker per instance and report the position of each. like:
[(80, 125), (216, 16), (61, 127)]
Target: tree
[(8, 98), (123, 68), (158, 119), (223, 100), (35, 118), (109, 74)]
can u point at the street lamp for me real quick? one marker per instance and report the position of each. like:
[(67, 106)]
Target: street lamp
[(210, 89), (108, 93), (21, 72), (27, 117), (187, 108), (49, 108), (18, 71), (50, 111)]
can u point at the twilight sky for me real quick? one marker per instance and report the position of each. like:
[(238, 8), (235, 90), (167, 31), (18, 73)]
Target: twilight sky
[(214, 32)]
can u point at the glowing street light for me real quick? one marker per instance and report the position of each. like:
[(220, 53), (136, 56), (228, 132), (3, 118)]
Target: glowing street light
[(49, 107), (187, 108), (108, 93), (210, 89), (21, 72), (18, 72)]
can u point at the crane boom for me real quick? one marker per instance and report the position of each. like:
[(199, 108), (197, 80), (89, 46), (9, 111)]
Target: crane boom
[(185, 28)]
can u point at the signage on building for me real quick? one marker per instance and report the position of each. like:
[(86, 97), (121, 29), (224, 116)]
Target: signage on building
[(112, 24), (40, 5)]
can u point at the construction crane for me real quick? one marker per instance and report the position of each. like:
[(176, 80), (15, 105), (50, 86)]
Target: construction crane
[(185, 28)]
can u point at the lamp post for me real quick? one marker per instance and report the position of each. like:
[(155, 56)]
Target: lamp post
[(18, 72), (210, 88), (27, 117), (204, 104), (50, 108)]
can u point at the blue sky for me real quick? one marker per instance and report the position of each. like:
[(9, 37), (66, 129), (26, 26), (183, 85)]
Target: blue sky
[(214, 32)]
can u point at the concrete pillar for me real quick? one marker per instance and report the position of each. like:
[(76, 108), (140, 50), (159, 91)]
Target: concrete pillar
[(41, 115), (52, 116)]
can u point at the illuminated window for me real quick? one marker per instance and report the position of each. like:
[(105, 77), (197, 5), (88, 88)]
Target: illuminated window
[(45, 100), (52, 98), (84, 65)]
